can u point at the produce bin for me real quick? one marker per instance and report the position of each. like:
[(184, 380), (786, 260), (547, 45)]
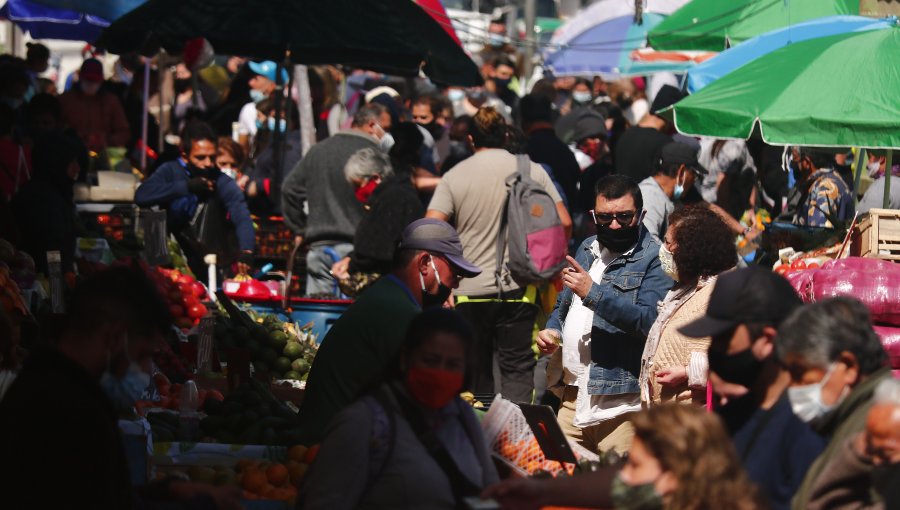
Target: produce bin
[(321, 313)]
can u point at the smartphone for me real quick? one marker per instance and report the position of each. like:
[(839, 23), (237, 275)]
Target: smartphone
[(480, 504)]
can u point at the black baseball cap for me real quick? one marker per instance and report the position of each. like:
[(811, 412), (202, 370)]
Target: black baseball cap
[(748, 295), (436, 236), (681, 154)]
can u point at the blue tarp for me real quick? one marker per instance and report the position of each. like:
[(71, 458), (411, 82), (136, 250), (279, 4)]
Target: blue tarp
[(43, 22)]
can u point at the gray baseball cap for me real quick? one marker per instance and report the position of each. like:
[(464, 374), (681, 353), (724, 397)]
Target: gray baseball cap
[(436, 236)]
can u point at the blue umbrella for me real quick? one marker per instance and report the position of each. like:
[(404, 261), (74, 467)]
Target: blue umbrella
[(43, 22), (703, 74), (107, 9), (605, 49)]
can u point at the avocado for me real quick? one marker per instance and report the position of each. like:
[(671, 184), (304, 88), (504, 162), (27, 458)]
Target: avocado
[(268, 356)]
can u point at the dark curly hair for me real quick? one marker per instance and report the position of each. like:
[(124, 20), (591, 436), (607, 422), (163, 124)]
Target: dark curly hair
[(704, 243)]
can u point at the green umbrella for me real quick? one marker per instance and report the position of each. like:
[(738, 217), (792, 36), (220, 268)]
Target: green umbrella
[(390, 36), (836, 91), (713, 25), (810, 93)]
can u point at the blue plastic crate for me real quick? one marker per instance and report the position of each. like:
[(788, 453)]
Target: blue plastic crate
[(323, 314)]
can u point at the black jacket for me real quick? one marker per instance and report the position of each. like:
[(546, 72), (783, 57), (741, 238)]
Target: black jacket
[(544, 147), (394, 205), (56, 417)]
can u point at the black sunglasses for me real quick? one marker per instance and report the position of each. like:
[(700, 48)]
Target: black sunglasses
[(624, 218)]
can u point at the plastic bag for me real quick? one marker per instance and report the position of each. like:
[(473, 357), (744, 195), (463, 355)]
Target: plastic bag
[(890, 339), (860, 264), (878, 290), (801, 281)]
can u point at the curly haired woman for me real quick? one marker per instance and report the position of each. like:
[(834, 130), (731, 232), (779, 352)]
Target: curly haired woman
[(698, 246)]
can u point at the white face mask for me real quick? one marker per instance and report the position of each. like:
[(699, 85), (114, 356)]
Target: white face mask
[(806, 401), (667, 260), (387, 141), (874, 167), (229, 171)]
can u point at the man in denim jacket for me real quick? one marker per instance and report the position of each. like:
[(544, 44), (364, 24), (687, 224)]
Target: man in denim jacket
[(602, 318)]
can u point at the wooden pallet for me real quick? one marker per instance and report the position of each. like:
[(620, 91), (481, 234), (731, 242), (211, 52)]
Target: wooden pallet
[(877, 235)]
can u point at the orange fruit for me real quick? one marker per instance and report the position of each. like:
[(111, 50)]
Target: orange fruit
[(311, 454), (277, 474), (249, 495), (267, 491), (243, 464), (297, 472), (278, 494), (254, 480), (297, 452)]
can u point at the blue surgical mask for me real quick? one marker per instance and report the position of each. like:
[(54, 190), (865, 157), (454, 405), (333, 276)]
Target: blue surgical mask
[(679, 190), (497, 40), (282, 124), (455, 95), (582, 97), (256, 96), (126, 391)]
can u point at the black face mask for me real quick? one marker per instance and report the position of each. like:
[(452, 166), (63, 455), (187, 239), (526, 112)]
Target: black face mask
[(618, 240), (440, 297), (741, 368), (436, 130)]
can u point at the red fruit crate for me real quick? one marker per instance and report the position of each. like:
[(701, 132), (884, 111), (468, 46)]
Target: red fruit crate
[(274, 240)]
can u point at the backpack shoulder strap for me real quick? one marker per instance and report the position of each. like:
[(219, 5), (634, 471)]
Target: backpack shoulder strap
[(383, 439), (523, 166)]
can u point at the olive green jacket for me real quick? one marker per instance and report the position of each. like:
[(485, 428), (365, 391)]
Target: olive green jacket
[(847, 420)]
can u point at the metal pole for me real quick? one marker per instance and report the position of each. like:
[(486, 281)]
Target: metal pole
[(145, 115), (859, 164), (304, 101), (888, 165), (530, 18)]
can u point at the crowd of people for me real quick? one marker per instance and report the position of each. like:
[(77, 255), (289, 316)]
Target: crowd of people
[(701, 383)]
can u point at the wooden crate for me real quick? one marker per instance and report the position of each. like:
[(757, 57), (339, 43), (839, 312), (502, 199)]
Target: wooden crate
[(877, 235)]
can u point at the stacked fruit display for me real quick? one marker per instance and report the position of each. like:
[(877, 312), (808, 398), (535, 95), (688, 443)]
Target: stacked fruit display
[(258, 479), (249, 415), (184, 295), (278, 349)]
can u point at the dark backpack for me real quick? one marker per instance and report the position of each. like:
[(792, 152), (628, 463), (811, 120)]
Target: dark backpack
[(531, 229)]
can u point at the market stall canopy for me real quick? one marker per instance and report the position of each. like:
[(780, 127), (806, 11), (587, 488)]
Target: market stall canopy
[(836, 91), (106, 9), (606, 10), (391, 36), (44, 22), (733, 58), (606, 50), (714, 25)]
